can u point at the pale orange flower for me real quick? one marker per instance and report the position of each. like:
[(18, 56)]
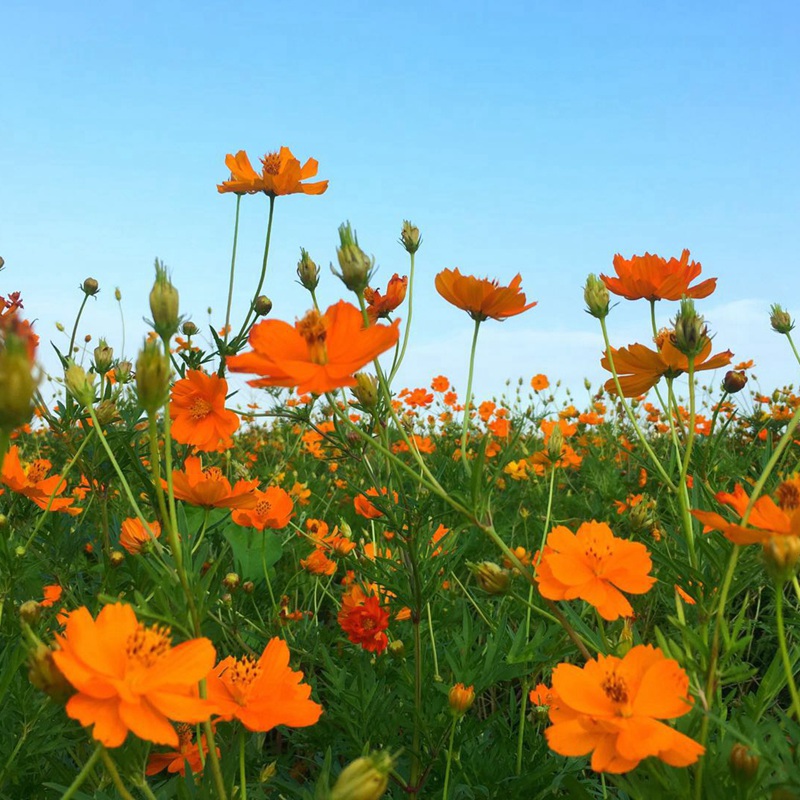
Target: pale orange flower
[(135, 538), (198, 413), (595, 566), (129, 678), (654, 278), (209, 488), (280, 174), (482, 298), (273, 509), (612, 707)]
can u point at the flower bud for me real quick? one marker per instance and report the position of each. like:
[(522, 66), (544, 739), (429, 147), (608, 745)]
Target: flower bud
[(734, 381), (366, 778), (118, 295), (116, 558), (357, 267), (268, 772), (307, 271), (781, 554), (90, 287), (262, 305), (79, 384), (409, 237), (106, 411), (124, 372), (396, 649), (164, 304), (231, 581), (103, 357), (461, 699), (691, 333), (366, 389), (30, 611), (595, 293), (152, 378), (2, 262), (743, 764), (248, 587), (491, 577), (555, 444), (189, 328), (780, 320), (45, 675), (17, 384)]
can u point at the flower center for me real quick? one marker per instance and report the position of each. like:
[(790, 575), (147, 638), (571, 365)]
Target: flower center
[(147, 645), (788, 494), (272, 163), (37, 470), (242, 674), (185, 735), (213, 474), (200, 409), (615, 688), (262, 508), (597, 553), (312, 328)]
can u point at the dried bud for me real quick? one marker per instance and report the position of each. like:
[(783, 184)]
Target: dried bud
[(45, 675), (409, 237), (743, 764), (366, 778), (231, 581), (691, 333), (17, 384), (307, 271), (734, 381), (79, 384), (189, 328), (357, 267), (780, 320), (103, 357), (164, 304), (30, 611), (116, 558), (595, 294), (491, 577), (781, 554), (461, 699), (366, 389), (262, 305), (90, 287), (152, 378)]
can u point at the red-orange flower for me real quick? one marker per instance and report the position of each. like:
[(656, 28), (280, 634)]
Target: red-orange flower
[(318, 563), (273, 509), (482, 298), (188, 753), (381, 305), (209, 488), (262, 693), (364, 619), (654, 278), (318, 353), (135, 538), (198, 413), (129, 678), (31, 480), (52, 594), (639, 368), (594, 565), (612, 707), (280, 174)]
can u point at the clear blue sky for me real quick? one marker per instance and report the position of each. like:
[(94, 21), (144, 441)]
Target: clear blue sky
[(519, 136)]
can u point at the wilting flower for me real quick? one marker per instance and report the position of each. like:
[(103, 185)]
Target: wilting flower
[(209, 488), (135, 538), (594, 565), (482, 298), (273, 509), (198, 413), (280, 174), (639, 368), (654, 278), (262, 693), (612, 707), (31, 480), (128, 677), (381, 305), (188, 753), (317, 354), (364, 619)]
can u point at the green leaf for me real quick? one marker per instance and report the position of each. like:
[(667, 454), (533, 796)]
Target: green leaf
[(254, 552)]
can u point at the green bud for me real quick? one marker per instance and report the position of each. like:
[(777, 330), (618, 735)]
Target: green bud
[(595, 294), (691, 333), (366, 778), (90, 287), (409, 237), (780, 320), (164, 304), (80, 384), (103, 357), (307, 271), (357, 267), (152, 378)]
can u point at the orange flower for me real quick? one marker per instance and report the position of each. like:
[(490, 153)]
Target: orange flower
[(440, 384), (128, 677), (273, 509), (188, 752), (417, 398), (135, 538), (52, 594), (364, 620), (31, 480), (612, 707), (539, 382), (639, 368), (381, 305), (318, 354), (318, 563), (198, 413), (654, 278), (281, 174), (209, 488), (594, 565), (482, 298), (262, 694), (366, 509)]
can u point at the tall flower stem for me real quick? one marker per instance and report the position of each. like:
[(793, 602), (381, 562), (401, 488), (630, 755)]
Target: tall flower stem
[(787, 662), (446, 787), (230, 285), (242, 767), (75, 327), (113, 772), (468, 398), (683, 489), (81, 777), (794, 349), (407, 331), (416, 760)]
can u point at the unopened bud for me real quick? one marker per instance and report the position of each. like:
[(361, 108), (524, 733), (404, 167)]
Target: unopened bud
[(491, 577), (116, 558), (30, 611), (734, 381), (124, 372), (226, 599), (691, 333), (2, 262), (396, 649), (366, 389), (90, 287), (262, 305), (268, 772), (555, 444), (189, 328), (248, 587), (366, 778), (743, 764), (781, 554), (595, 293), (409, 237), (461, 699), (625, 641), (118, 295), (103, 357), (45, 675), (231, 581), (79, 384), (780, 320), (164, 304), (356, 266), (17, 384), (152, 378), (106, 411), (307, 271)]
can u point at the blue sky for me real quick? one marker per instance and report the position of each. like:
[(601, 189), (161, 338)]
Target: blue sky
[(527, 137)]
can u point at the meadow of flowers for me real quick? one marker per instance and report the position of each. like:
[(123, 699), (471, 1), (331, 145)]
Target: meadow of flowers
[(351, 589)]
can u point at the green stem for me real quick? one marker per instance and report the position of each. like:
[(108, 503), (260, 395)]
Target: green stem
[(242, 767), (111, 768), (794, 349), (787, 662), (468, 399), (230, 282), (683, 489), (75, 326), (523, 708), (5, 442), (407, 331), (449, 759), (83, 774), (416, 761), (436, 676)]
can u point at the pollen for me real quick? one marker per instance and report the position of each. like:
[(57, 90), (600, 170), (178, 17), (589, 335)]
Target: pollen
[(313, 329), (147, 645), (37, 470), (242, 674), (788, 494), (615, 688), (200, 409), (213, 474), (272, 163), (263, 508)]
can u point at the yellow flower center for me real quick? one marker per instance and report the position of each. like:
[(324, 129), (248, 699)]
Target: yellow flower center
[(597, 553), (615, 688), (272, 163), (200, 409), (37, 471), (241, 675), (185, 734), (788, 494), (263, 508), (147, 645), (312, 329), (213, 474)]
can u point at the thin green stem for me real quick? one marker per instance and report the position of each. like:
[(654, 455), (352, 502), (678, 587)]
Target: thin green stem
[(230, 281), (407, 331), (81, 777), (416, 760), (683, 489), (468, 398), (213, 758), (436, 676), (75, 326), (787, 662), (794, 349), (446, 788), (111, 768), (523, 708), (242, 767), (5, 441)]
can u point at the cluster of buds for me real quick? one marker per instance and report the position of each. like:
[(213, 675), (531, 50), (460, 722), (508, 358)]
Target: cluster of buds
[(356, 266)]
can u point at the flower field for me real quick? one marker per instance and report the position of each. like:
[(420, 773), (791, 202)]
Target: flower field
[(351, 589)]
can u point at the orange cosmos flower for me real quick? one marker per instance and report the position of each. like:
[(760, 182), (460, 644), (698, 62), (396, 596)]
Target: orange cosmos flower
[(364, 620), (381, 305), (264, 693), (539, 382), (280, 174), (440, 384), (654, 278), (129, 678), (273, 509), (482, 298), (318, 353), (639, 368), (198, 413), (134, 537), (594, 565), (209, 488), (366, 509), (612, 707), (318, 563), (31, 480), (188, 752), (52, 594)]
